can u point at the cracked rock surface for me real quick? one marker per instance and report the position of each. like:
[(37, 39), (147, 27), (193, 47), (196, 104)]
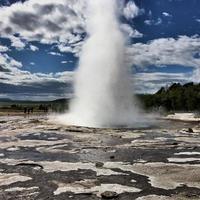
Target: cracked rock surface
[(40, 160)]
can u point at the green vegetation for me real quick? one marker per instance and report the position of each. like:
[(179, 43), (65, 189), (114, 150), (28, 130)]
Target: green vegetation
[(177, 97), (7, 105)]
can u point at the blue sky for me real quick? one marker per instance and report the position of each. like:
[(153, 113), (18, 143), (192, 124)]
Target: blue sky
[(40, 44)]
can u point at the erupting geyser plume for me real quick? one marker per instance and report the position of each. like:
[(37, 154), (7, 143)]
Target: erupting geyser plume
[(103, 96)]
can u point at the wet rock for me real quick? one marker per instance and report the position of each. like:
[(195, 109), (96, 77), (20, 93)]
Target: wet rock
[(190, 130), (109, 195), (13, 148), (35, 121), (74, 130), (180, 148), (194, 148), (32, 165), (54, 129), (112, 157), (2, 195), (99, 164), (192, 194), (78, 163)]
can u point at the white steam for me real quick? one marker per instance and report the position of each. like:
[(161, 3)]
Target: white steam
[(103, 96)]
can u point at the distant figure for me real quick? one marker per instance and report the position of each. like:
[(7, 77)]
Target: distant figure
[(28, 111), (25, 110), (46, 109), (31, 109)]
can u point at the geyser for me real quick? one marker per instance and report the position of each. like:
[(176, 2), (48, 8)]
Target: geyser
[(103, 95)]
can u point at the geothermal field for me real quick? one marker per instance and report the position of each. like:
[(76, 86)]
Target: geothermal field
[(104, 146), (41, 160)]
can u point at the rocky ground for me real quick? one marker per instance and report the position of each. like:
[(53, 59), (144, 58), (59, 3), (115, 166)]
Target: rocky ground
[(40, 161)]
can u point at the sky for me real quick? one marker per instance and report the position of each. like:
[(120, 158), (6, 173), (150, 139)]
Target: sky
[(41, 41)]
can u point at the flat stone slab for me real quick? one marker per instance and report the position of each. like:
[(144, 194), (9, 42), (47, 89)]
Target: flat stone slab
[(40, 160)]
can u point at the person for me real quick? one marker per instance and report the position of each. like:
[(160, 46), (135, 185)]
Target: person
[(31, 109), (25, 110)]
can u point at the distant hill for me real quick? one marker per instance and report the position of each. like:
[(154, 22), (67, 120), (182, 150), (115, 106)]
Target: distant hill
[(10, 101), (177, 97), (5, 100), (60, 101)]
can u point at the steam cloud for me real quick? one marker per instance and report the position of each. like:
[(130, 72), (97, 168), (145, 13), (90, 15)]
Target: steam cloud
[(103, 95)]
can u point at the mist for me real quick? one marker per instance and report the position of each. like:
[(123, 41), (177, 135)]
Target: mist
[(103, 91)]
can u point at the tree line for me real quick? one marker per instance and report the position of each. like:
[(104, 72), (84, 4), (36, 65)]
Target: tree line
[(177, 97)]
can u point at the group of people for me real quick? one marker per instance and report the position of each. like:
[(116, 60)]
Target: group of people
[(28, 110)]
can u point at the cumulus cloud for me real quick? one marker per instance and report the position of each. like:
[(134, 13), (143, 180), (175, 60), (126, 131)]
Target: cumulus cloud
[(166, 51), (131, 32), (17, 83), (183, 51), (74, 48), (62, 23), (3, 48), (49, 90), (8, 63), (131, 10), (16, 42), (44, 21), (152, 82)]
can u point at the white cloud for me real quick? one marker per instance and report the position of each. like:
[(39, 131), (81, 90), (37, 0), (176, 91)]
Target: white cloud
[(24, 78), (151, 22), (131, 10), (33, 48), (60, 22), (166, 14), (65, 49), (7, 63), (15, 63), (55, 53), (18, 84), (198, 20), (45, 21), (166, 51), (64, 62), (74, 48), (148, 22), (16, 42), (3, 48), (55, 22), (131, 32), (152, 82)]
